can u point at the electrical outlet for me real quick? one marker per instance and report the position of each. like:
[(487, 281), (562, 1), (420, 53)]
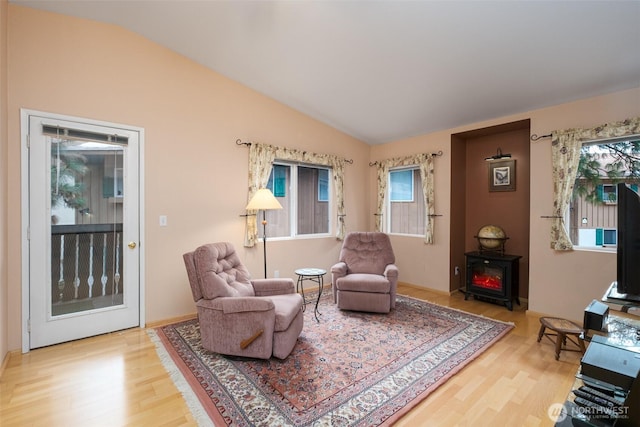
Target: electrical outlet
[(163, 220), (276, 273), (456, 270)]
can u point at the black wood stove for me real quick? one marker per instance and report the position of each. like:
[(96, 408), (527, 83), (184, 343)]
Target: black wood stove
[(493, 276)]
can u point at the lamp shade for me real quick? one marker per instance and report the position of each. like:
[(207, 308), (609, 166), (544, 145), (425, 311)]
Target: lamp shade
[(263, 200)]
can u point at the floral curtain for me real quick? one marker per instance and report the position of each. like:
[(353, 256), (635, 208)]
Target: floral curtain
[(383, 177), (260, 164), (261, 157), (425, 163), (565, 152)]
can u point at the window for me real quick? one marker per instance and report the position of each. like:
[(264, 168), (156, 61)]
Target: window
[(401, 185), (593, 210), (304, 193), (609, 237), (323, 185), (609, 194), (405, 206), (278, 180)]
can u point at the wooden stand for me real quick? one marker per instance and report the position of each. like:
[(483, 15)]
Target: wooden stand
[(564, 330)]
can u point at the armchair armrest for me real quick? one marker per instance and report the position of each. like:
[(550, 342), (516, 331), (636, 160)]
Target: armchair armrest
[(240, 326), (391, 271), (268, 287), (230, 305), (338, 270)]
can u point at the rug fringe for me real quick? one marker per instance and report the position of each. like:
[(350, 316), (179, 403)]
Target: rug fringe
[(193, 403)]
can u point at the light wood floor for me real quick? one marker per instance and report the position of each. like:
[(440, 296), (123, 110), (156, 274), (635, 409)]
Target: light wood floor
[(118, 380)]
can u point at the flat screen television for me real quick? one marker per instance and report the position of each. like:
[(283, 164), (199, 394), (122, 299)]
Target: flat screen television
[(628, 267)]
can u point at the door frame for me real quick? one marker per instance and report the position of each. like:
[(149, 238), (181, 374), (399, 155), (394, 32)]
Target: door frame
[(25, 209)]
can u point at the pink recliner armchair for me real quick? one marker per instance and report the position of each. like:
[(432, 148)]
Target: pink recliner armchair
[(365, 278), (239, 316)]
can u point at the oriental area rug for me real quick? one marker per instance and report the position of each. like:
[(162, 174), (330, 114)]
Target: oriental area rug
[(348, 369)]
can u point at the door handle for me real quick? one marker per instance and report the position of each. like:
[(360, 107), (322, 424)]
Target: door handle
[(132, 245)]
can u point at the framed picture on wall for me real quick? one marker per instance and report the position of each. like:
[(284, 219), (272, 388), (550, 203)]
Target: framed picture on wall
[(502, 175)]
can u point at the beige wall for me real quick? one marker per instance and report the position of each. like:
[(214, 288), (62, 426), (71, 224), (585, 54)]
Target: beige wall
[(560, 284), (196, 175), (564, 283), (194, 172), (3, 181)]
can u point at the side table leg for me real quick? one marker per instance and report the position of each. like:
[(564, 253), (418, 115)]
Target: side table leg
[(320, 287), (300, 288)]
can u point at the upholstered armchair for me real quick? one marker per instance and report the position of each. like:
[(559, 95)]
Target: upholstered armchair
[(365, 278), (239, 316)]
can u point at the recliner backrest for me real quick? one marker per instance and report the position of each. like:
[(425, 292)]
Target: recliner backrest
[(218, 271), (193, 276), (367, 252)]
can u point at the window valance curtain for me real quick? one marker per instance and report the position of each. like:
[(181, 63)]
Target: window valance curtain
[(425, 163), (261, 158), (565, 158)]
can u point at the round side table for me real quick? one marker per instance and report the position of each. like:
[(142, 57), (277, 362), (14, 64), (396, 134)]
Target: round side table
[(315, 275)]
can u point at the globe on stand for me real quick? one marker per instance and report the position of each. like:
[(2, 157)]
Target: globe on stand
[(491, 238)]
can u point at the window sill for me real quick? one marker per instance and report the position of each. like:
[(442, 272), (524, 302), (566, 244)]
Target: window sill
[(299, 237), (605, 249), (406, 235)]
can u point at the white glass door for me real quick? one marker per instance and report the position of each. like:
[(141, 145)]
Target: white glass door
[(84, 229)]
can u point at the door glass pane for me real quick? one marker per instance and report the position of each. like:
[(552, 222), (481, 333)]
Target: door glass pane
[(87, 195)]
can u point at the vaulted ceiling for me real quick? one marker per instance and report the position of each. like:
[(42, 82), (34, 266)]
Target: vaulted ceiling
[(386, 70)]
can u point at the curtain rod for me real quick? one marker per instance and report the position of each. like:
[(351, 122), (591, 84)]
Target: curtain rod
[(248, 144), (436, 154), (535, 137)]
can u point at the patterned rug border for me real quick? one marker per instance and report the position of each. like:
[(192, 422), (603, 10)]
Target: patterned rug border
[(209, 416), (177, 375)]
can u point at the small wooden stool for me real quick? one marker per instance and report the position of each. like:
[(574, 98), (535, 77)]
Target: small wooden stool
[(564, 329)]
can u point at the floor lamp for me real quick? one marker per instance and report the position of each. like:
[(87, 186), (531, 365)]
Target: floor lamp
[(264, 200)]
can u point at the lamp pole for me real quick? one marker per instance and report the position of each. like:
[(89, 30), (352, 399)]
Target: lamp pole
[(264, 240), (264, 199)]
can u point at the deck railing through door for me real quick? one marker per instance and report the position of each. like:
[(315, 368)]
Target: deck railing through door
[(86, 261)]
